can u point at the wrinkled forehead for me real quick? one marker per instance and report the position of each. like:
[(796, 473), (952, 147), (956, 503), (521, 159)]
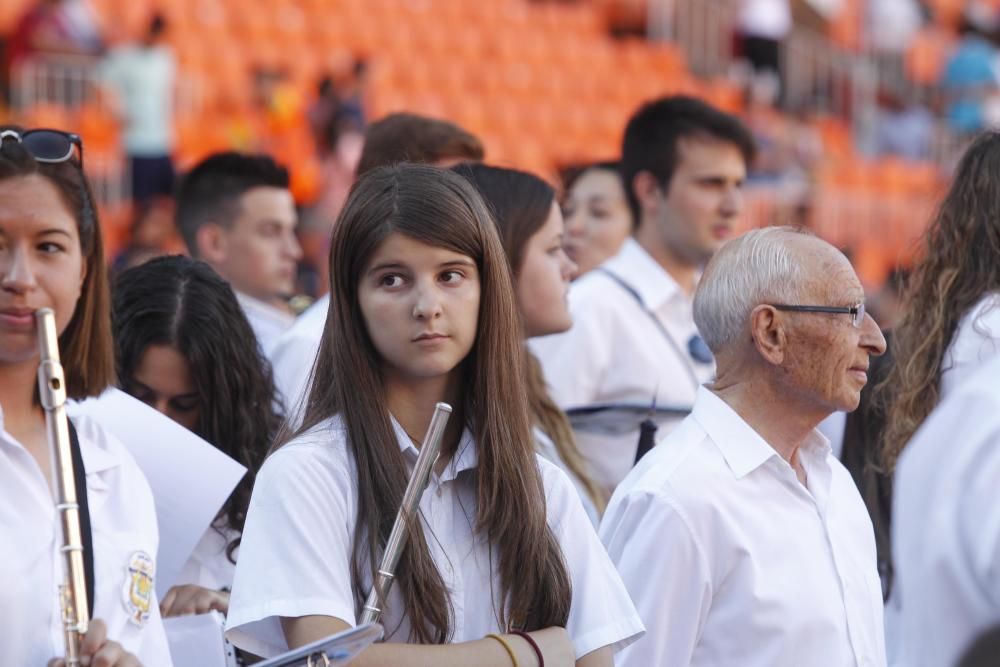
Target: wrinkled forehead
[(829, 278)]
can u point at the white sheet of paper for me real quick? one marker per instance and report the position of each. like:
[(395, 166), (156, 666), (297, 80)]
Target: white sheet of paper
[(198, 640), (190, 478)]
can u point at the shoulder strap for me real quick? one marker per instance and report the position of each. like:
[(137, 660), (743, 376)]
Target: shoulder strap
[(80, 477), (675, 346)]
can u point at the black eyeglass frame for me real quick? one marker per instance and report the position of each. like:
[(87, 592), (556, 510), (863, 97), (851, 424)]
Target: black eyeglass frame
[(857, 311), (72, 139)]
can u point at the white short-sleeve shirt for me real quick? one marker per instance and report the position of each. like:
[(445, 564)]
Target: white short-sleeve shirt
[(123, 524), (622, 351), (293, 356), (731, 561), (946, 525), (295, 557)]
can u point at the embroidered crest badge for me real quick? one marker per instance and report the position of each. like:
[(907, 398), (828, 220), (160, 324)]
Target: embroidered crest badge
[(137, 592)]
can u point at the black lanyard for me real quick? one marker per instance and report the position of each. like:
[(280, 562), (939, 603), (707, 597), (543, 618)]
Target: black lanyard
[(80, 477), (688, 365)]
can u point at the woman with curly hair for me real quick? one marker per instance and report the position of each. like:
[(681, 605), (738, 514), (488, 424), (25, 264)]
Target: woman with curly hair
[(184, 347), (951, 320)]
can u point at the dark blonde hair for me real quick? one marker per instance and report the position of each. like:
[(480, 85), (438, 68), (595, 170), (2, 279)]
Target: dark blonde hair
[(441, 209), (960, 266), (521, 203), (86, 349)]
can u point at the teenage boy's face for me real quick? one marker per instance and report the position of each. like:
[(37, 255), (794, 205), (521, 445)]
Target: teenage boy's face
[(701, 206), (259, 251)]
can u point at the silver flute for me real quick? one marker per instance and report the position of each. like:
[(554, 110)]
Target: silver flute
[(411, 501), (52, 391)]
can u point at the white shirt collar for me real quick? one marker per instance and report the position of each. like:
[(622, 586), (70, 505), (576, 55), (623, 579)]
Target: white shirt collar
[(641, 272), (466, 457), (743, 448), (264, 310)]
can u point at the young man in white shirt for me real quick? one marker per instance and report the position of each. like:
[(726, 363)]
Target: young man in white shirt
[(946, 524), (741, 538), (633, 337), (236, 213)]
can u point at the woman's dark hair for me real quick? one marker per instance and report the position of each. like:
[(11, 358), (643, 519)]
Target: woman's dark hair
[(439, 208), (571, 174), (183, 303), (86, 348), (961, 264), (521, 203)]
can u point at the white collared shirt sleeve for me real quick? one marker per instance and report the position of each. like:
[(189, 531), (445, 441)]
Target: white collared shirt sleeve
[(601, 613), (123, 521), (295, 557), (666, 573)]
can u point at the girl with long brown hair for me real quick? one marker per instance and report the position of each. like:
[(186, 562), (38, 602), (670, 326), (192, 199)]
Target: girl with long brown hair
[(532, 232), (951, 313), (422, 310)]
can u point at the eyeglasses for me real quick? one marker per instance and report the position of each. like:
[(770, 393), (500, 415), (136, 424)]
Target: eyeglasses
[(857, 312), (49, 146)]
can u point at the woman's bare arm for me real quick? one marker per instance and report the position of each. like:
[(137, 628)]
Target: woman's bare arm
[(602, 657), (553, 642)]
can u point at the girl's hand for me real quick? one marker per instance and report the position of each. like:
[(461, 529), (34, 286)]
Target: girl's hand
[(97, 651), (190, 599)]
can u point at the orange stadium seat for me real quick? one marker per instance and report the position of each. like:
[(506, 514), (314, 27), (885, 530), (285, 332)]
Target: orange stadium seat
[(541, 81), (927, 54), (11, 12)]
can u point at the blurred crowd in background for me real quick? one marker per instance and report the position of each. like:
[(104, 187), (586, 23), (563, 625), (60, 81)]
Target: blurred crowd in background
[(859, 107)]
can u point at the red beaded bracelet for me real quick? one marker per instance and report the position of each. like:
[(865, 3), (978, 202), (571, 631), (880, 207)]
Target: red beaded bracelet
[(526, 637)]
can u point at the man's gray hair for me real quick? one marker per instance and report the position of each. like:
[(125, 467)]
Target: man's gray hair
[(754, 268)]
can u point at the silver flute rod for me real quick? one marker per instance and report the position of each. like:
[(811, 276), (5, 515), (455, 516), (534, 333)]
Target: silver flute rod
[(411, 501), (52, 392)]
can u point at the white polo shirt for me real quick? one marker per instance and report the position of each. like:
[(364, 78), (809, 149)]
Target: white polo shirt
[(731, 561), (294, 354), (124, 533), (621, 350), (268, 322), (946, 525), (296, 554)]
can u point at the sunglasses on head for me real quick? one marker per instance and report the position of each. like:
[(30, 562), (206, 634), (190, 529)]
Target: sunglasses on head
[(49, 146)]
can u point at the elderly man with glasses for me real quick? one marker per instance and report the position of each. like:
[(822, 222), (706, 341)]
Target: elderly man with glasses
[(741, 538)]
